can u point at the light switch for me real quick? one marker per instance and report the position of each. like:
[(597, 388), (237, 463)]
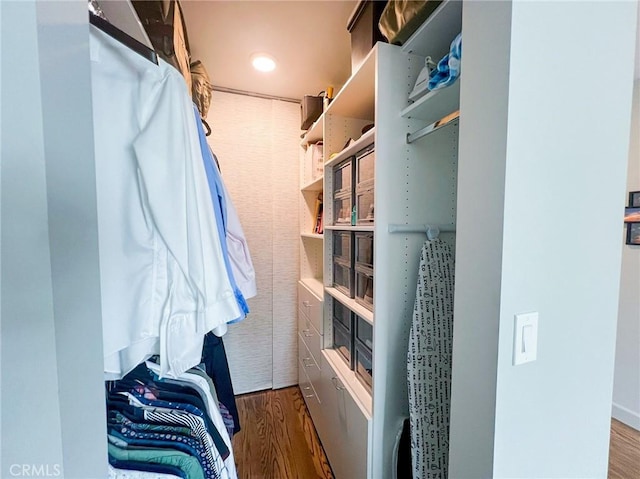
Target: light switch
[(525, 340)]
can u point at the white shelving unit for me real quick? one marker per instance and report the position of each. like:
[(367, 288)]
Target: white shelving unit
[(311, 285), (311, 250), (414, 185)]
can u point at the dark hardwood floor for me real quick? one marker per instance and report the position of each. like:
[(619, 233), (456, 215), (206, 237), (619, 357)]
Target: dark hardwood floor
[(624, 452), (277, 439)]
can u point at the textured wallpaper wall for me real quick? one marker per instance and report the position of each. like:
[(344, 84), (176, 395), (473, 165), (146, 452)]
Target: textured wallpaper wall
[(256, 142)]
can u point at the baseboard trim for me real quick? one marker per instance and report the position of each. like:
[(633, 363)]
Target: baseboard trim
[(627, 416)]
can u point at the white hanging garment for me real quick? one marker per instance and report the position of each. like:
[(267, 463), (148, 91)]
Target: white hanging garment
[(240, 258), (163, 278), (429, 362)]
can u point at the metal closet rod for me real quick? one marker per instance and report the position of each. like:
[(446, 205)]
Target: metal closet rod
[(435, 126)]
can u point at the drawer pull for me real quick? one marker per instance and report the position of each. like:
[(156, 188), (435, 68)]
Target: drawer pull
[(306, 388), (304, 361), (309, 395), (306, 304), (307, 333), (336, 384)]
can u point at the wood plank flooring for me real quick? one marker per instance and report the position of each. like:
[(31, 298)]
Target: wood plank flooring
[(277, 439), (624, 452)]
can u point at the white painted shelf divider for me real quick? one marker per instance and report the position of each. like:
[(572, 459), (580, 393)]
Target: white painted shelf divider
[(313, 185), (369, 228), (435, 105), (362, 142), (352, 304), (434, 36), (311, 235), (315, 285)]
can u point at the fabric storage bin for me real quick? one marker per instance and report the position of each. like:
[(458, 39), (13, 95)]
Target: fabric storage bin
[(342, 207), (343, 178), (365, 204), (343, 276), (343, 343), (364, 249), (365, 165), (342, 314), (400, 18), (364, 332), (363, 365), (342, 245), (364, 286)]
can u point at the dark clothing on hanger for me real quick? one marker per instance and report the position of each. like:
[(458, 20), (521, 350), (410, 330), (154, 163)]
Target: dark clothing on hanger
[(214, 358)]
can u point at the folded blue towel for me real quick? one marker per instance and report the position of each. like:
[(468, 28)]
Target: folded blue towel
[(448, 69)]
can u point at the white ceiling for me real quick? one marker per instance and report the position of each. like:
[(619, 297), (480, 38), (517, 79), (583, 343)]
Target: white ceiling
[(308, 39)]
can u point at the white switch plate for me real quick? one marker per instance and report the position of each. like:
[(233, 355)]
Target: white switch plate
[(525, 338)]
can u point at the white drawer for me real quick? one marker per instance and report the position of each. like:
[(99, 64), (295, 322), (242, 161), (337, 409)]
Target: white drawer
[(311, 306), (307, 389), (345, 426), (310, 336), (308, 361)]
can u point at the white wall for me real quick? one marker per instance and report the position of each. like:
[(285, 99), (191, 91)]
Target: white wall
[(256, 141), (626, 386), (53, 411), (552, 245)]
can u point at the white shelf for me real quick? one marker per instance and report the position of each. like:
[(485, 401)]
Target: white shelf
[(435, 105), (348, 378), (311, 235), (315, 285), (368, 228), (362, 142), (314, 185), (352, 304), (435, 35), (314, 133), (356, 99)]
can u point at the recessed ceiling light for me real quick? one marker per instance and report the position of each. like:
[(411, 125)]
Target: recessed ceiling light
[(263, 62)]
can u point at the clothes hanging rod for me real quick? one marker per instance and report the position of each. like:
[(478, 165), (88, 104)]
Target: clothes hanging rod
[(421, 228), (435, 126), (124, 38), (256, 95)]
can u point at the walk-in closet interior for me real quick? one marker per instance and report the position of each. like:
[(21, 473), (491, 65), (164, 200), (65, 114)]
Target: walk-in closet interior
[(404, 236)]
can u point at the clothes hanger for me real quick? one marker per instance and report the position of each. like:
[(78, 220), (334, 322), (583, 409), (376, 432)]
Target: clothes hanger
[(207, 127), (433, 232), (124, 38)]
